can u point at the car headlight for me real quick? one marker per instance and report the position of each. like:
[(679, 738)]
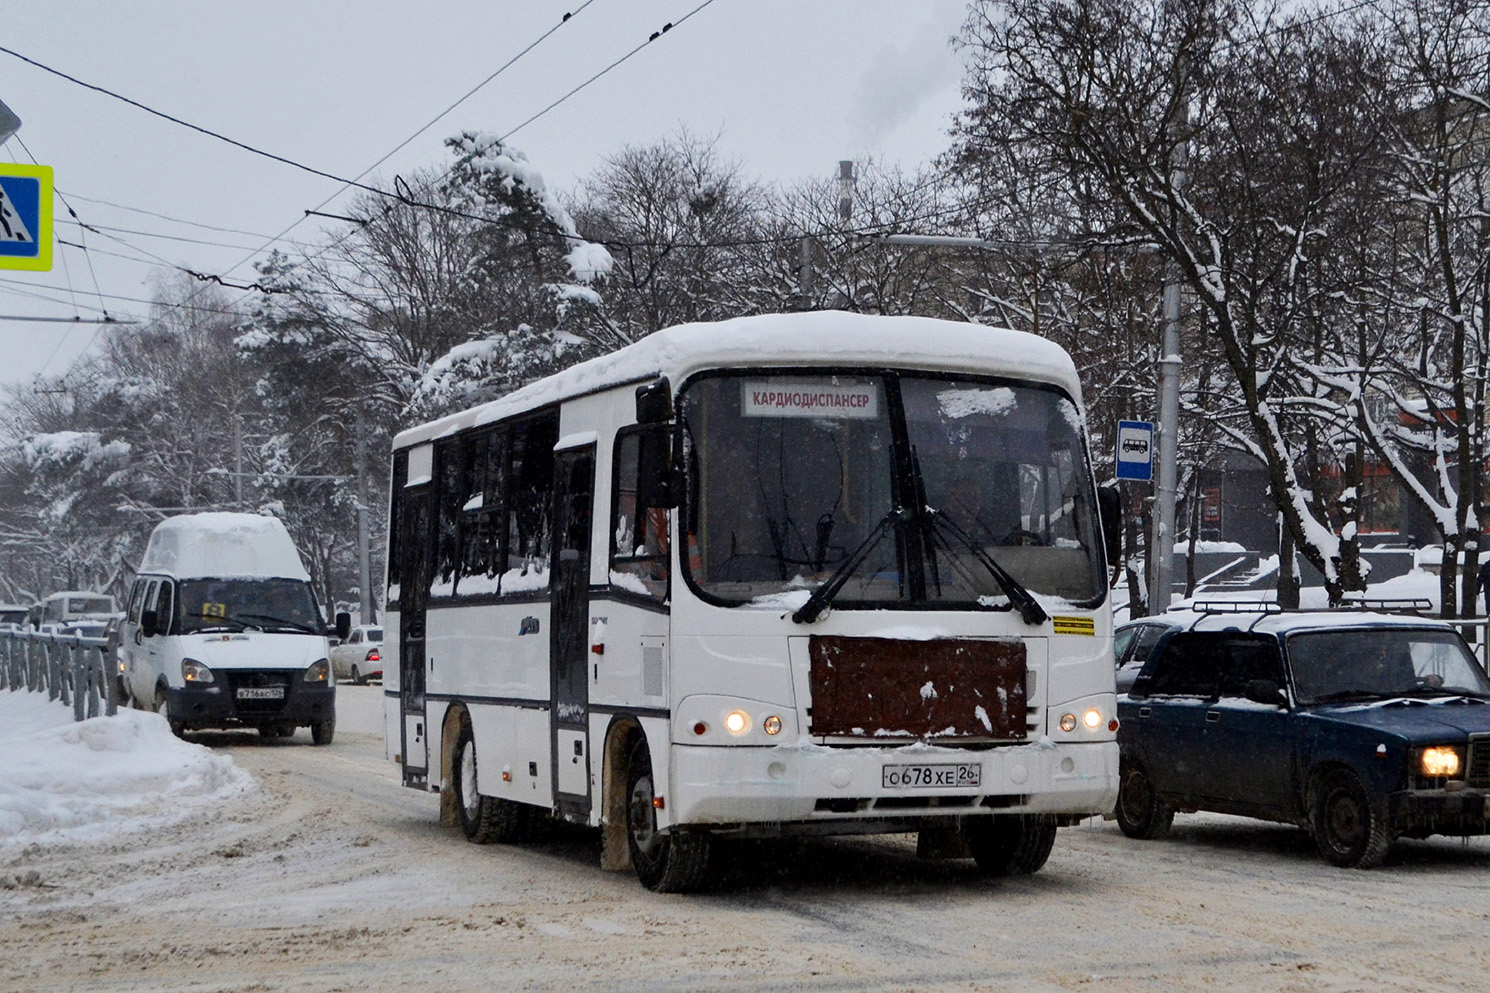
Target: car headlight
[(318, 671), (194, 673), (1440, 762)]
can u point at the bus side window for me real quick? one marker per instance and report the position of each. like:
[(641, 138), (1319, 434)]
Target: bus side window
[(530, 495), (639, 535), (449, 496), (482, 519)]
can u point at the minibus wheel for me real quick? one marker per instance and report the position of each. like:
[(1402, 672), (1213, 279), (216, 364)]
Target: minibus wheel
[(163, 708), (675, 862), (1010, 844), (484, 819), (322, 731)]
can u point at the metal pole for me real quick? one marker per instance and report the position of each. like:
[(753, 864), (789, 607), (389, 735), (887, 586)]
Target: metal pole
[(1166, 489), (367, 610), (238, 460)]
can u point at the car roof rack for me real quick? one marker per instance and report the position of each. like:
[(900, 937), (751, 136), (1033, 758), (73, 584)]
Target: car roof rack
[(1399, 605), (1235, 607)]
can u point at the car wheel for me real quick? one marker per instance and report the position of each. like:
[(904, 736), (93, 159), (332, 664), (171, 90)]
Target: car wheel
[(484, 819), (1348, 828), (1140, 812), (1010, 844), (357, 679), (163, 708), (322, 731), (675, 862)]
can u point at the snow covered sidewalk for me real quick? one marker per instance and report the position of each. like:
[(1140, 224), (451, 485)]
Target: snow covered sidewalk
[(63, 782)]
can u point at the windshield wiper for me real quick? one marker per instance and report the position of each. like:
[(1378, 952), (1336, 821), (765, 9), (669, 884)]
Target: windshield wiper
[(1021, 598), (280, 622), (1339, 696), (824, 594)]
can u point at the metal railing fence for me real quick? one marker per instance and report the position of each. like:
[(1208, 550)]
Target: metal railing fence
[(80, 672)]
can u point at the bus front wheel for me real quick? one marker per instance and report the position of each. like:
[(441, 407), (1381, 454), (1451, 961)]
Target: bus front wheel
[(675, 862), (1010, 844)]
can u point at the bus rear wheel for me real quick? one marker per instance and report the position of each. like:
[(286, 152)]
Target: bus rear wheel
[(675, 862), (1010, 844), (484, 819)]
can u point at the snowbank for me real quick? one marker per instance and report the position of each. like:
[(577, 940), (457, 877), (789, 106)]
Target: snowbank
[(63, 782)]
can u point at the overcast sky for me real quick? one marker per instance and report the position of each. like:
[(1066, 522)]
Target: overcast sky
[(791, 87)]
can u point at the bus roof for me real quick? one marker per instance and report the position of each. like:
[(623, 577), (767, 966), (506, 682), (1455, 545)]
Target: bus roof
[(836, 337), (222, 546)]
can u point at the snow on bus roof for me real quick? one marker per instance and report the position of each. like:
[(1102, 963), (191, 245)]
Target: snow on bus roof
[(223, 546), (783, 340)]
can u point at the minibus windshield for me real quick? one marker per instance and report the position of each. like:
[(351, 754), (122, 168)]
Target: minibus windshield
[(791, 476), (239, 604)]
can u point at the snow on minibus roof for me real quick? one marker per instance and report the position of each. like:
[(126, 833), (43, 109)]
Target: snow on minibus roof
[(223, 546), (834, 337)]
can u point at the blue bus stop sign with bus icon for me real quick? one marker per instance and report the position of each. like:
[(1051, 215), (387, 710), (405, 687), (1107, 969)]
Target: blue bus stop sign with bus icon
[(25, 217), (1135, 450)]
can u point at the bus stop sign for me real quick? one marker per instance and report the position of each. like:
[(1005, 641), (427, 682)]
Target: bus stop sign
[(1135, 450), (25, 217)]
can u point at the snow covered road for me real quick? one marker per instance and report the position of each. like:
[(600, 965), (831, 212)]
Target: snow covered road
[(327, 875)]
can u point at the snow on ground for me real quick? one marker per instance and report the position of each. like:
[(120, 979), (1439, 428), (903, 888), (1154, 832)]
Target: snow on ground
[(63, 782)]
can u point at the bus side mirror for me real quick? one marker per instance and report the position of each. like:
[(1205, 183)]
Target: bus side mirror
[(654, 468), (343, 625), (149, 622), (1110, 513), (654, 402)]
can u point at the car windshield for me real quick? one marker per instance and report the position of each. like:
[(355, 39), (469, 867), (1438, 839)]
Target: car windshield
[(236, 604), (1382, 663), (791, 475), (90, 605)]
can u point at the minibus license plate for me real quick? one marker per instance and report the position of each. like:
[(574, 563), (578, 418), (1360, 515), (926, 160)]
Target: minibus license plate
[(927, 777), (261, 692)]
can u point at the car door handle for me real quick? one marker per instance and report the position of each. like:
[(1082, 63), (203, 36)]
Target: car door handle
[(1145, 711), (1213, 717)]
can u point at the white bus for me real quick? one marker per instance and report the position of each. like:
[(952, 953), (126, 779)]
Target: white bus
[(802, 574)]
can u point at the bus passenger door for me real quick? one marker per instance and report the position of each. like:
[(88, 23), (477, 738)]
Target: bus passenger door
[(413, 598), (574, 494)]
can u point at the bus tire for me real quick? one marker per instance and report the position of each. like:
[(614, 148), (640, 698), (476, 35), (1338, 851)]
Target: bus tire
[(163, 708), (484, 819), (322, 731), (1010, 844), (675, 862), (1140, 812)]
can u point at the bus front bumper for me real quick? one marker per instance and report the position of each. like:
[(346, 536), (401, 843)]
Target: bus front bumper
[(849, 789)]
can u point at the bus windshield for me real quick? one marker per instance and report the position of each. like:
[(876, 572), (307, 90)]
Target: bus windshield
[(791, 475), (237, 604)]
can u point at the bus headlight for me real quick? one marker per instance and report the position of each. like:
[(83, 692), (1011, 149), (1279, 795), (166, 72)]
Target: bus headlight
[(1092, 719), (1440, 762), (318, 671), (194, 672), (737, 722), (1068, 722), (771, 725)]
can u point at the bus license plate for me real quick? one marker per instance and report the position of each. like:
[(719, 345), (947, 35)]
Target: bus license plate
[(261, 693), (930, 777)]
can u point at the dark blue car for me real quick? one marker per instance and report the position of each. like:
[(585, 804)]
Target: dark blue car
[(1361, 728)]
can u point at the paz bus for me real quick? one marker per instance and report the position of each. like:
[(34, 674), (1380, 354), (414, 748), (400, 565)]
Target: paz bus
[(804, 574)]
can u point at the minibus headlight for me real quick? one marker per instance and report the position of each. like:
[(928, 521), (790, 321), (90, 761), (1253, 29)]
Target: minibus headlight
[(195, 673), (1440, 762), (737, 722), (318, 671)]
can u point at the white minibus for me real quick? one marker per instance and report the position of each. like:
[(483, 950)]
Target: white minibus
[(802, 574), (222, 630)]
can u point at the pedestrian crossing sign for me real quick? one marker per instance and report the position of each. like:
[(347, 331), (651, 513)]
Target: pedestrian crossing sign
[(25, 217)]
